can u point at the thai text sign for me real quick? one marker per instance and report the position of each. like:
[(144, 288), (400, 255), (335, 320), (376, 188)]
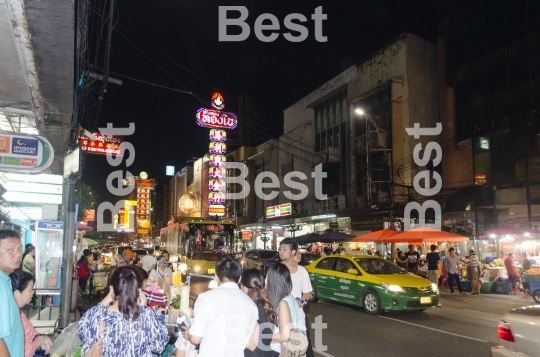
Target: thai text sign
[(211, 118)]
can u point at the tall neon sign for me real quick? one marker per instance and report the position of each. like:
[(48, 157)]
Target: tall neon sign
[(217, 120)]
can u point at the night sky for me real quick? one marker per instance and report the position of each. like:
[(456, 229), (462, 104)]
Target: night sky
[(175, 43)]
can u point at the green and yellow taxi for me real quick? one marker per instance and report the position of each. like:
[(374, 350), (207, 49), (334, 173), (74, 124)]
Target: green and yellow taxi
[(370, 282)]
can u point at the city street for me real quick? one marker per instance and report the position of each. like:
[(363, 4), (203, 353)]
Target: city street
[(463, 326)]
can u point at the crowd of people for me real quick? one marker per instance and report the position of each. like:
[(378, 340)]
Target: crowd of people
[(448, 269), (263, 315)]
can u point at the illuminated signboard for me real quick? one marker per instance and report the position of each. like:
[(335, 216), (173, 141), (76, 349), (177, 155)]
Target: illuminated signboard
[(217, 120), (247, 235), (216, 185), (217, 160), (217, 148), (216, 198), (216, 210), (129, 215), (217, 101), (480, 178), (140, 183), (217, 172), (102, 145), (278, 211), (218, 135), (211, 118), (169, 170), (188, 203)]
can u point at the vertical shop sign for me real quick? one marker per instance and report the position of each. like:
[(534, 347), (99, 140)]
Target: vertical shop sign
[(217, 120)]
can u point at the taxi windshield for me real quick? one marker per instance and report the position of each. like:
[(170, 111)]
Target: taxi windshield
[(379, 266)]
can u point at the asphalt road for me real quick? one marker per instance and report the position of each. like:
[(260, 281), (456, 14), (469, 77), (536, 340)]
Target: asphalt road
[(463, 326)]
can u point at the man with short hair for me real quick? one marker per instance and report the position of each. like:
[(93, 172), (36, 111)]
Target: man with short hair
[(452, 266), (433, 264), (148, 262), (122, 260), (474, 272), (224, 318), (11, 330), (301, 284), (412, 258), (513, 276), (526, 265)]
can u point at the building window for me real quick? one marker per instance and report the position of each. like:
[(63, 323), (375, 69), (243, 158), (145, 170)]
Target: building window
[(328, 117), (285, 169)]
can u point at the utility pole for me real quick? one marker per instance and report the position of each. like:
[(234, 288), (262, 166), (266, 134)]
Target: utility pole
[(67, 256), (368, 169), (527, 193)]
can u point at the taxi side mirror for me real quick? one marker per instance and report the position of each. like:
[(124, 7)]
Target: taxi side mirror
[(352, 271)]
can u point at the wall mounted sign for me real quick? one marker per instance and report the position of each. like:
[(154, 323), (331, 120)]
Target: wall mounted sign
[(102, 145), (216, 210), (278, 211), (25, 153), (188, 203)]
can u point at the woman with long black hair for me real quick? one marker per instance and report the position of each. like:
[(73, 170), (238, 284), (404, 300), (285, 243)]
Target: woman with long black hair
[(279, 287), (122, 324), (252, 283)]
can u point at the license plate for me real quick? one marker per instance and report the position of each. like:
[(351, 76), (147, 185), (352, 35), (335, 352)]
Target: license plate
[(211, 271), (425, 300)]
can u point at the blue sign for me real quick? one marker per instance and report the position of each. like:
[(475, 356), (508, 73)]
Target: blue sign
[(50, 225), (24, 146), (169, 170)]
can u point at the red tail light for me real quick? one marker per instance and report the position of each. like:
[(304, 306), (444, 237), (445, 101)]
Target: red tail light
[(215, 258), (504, 332)]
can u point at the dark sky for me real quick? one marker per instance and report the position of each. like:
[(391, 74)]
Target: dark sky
[(171, 38)]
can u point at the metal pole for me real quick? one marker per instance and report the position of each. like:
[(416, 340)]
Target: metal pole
[(67, 256), (528, 197), (368, 169)]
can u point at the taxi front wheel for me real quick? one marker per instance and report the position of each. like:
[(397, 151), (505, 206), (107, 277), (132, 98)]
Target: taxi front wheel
[(314, 297), (372, 303)]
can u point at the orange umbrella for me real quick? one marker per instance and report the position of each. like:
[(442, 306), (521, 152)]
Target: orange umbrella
[(425, 234), (376, 237)]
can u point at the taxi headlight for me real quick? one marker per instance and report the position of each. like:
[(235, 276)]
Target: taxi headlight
[(434, 287), (182, 267), (394, 288), (196, 268)]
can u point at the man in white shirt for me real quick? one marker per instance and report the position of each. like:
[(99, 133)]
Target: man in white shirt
[(225, 318), (148, 262), (290, 256), (452, 266)]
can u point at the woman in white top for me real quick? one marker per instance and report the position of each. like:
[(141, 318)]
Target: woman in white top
[(161, 275), (279, 287)]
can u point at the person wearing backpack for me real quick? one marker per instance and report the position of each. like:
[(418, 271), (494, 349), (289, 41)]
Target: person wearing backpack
[(83, 270)]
